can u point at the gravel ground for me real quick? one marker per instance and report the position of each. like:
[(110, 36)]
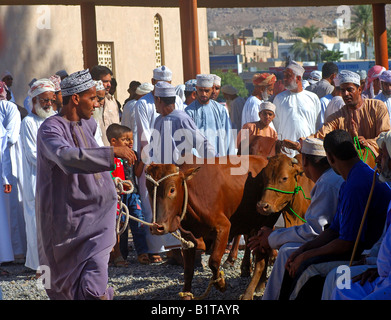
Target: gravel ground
[(158, 281)]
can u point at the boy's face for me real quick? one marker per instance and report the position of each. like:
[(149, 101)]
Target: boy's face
[(126, 140), (266, 117)]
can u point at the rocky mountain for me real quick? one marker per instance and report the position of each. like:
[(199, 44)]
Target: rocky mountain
[(284, 19)]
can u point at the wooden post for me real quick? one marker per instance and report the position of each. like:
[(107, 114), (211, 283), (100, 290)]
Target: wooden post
[(190, 39), (380, 34), (88, 33)]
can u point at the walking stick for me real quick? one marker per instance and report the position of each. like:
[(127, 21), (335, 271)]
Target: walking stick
[(363, 217)]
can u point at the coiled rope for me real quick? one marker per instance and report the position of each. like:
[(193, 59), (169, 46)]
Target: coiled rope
[(123, 209)]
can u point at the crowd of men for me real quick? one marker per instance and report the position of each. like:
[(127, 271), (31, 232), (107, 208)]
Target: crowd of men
[(59, 204)]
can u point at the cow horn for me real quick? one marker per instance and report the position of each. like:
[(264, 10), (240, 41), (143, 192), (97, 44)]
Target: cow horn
[(177, 169), (295, 161)]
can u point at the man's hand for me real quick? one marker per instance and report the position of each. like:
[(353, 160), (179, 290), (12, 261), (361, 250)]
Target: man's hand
[(260, 241), (368, 275), (294, 264), (291, 144), (7, 188), (125, 153), (363, 141)]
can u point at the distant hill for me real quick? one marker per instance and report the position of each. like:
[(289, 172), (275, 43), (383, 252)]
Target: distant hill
[(232, 20)]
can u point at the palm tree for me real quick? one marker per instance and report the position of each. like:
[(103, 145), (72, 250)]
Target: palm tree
[(307, 49), (362, 25)]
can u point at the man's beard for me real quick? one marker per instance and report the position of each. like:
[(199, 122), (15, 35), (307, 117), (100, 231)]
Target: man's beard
[(97, 114), (41, 112), (265, 95), (291, 85)]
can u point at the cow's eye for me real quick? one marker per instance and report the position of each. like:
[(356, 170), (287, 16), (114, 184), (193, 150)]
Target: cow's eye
[(285, 179), (172, 190)]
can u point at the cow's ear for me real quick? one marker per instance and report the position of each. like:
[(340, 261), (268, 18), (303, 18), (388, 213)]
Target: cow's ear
[(189, 173)]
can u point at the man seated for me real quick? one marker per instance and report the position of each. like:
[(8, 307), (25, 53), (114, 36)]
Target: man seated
[(335, 244), (371, 280), (324, 197)]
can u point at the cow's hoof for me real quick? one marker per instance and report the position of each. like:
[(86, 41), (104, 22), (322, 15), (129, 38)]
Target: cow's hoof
[(186, 295), (246, 296), (220, 283), (229, 263)]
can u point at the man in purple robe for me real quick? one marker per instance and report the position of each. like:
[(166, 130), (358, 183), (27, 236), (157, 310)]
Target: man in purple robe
[(75, 197)]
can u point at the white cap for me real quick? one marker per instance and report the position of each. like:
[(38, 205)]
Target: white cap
[(217, 80), (296, 68), (190, 85), (162, 74), (313, 146), (164, 89), (205, 80), (315, 76), (99, 85), (346, 76), (144, 88), (267, 105)]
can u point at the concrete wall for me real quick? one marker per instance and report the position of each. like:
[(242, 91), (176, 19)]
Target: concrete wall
[(40, 40)]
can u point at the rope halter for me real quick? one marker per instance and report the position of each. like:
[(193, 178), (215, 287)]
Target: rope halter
[(295, 191), (185, 244), (156, 185)]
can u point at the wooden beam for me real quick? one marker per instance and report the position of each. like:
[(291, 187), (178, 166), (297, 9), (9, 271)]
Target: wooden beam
[(190, 39), (88, 32), (201, 3), (380, 34)]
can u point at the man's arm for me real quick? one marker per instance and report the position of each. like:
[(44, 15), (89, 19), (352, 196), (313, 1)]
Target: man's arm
[(53, 144)]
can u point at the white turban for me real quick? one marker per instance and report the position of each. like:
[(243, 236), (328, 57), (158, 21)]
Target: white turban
[(315, 76), (56, 81), (346, 76), (313, 146), (144, 88), (296, 68), (41, 86)]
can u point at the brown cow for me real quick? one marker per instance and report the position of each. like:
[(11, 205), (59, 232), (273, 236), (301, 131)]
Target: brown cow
[(220, 206), (282, 174), (262, 146)]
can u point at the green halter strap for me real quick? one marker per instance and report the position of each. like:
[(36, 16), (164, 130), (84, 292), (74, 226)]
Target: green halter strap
[(296, 190)]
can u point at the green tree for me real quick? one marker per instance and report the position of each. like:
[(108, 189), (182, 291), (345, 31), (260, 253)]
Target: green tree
[(362, 26), (232, 79), (306, 49), (331, 56)]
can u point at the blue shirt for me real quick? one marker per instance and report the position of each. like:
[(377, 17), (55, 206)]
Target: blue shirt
[(213, 121), (352, 201)]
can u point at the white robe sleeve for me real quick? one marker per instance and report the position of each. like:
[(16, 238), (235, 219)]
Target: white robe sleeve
[(4, 157)]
